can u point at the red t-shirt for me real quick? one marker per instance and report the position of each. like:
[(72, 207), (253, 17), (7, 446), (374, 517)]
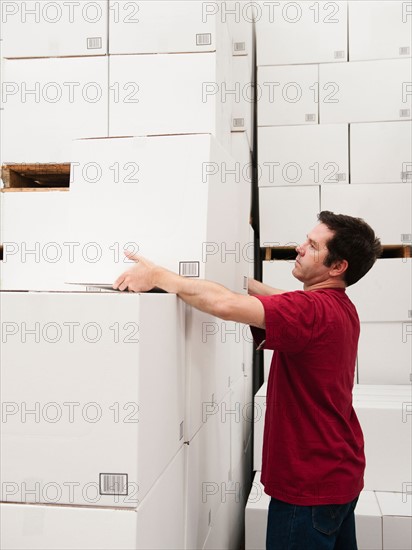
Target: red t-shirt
[(313, 450)]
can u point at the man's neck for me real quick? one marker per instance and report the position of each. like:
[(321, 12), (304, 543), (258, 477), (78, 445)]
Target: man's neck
[(330, 283)]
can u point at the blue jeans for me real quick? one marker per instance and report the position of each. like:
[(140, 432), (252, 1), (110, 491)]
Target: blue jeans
[(325, 527)]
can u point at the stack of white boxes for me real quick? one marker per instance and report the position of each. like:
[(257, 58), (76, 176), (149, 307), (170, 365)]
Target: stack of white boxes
[(157, 169), (356, 105)]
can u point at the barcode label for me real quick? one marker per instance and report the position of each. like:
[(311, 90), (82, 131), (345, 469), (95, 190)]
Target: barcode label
[(113, 484), (310, 118), (245, 281), (339, 54), (238, 122), (404, 50), (406, 176), (410, 313), (239, 47), (94, 43), (403, 113), (341, 177), (181, 431), (189, 269), (93, 289), (406, 237), (204, 39)]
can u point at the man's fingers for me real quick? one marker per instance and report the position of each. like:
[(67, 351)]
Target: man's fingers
[(117, 282), (123, 286), (131, 255)]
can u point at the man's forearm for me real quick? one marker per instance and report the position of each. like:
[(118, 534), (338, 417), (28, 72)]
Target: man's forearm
[(207, 296), (261, 289)]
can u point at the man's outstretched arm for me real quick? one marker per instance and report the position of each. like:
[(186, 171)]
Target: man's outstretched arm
[(207, 296)]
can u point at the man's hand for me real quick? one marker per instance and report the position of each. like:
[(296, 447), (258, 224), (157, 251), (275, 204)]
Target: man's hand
[(139, 278)]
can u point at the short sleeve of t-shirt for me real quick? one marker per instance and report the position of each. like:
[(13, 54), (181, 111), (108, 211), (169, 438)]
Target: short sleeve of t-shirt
[(289, 320)]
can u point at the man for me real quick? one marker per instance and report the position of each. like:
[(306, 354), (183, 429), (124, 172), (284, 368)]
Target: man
[(313, 458)]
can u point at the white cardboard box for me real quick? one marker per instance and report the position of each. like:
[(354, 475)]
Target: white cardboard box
[(288, 33), (388, 450), (171, 94), (379, 30), (91, 365), (278, 274), (208, 471), (368, 518), (54, 29), (385, 207), (259, 422), (49, 102), (165, 27), (287, 95), (33, 232), (288, 213), (381, 152), (256, 516), (397, 519), (292, 155), (170, 206), (39, 527), (372, 297), (243, 97), (365, 91), (382, 392), (214, 360), (385, 353)]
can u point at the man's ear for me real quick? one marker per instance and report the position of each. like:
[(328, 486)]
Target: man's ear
[(338, 268)]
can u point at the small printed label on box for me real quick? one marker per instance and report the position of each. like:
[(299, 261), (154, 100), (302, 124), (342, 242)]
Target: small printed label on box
[(406, 237), (310, 118), (403, 113), (339, 54), (238, 122), (405, 176), (245, 283), (181, 431), (189, 269), (94, 43), (239, 47), (113, 484), (410, 313), (404, 50), (204, 39), (341, 177)]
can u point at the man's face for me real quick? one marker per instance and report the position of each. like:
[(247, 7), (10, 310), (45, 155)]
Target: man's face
[(309, 267)]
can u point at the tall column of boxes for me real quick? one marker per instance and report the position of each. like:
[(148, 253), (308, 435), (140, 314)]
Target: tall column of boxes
[(334, 116), (152, 155)]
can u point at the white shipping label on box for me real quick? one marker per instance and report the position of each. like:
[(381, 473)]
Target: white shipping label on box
[(288, 33), (170, 94), (397, 518), (45, 29), (149, 195), (374, 299), (287, 214), (385, 353), (292, 155), (385, 207), (37, 527), (379, 30), (91, 366), (381, 152), (49, 102), (388, 451), (365, 91), (34, 228), (287, 95), (166, 27)]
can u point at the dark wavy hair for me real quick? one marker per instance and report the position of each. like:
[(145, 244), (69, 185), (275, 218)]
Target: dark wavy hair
[(354, 241)]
